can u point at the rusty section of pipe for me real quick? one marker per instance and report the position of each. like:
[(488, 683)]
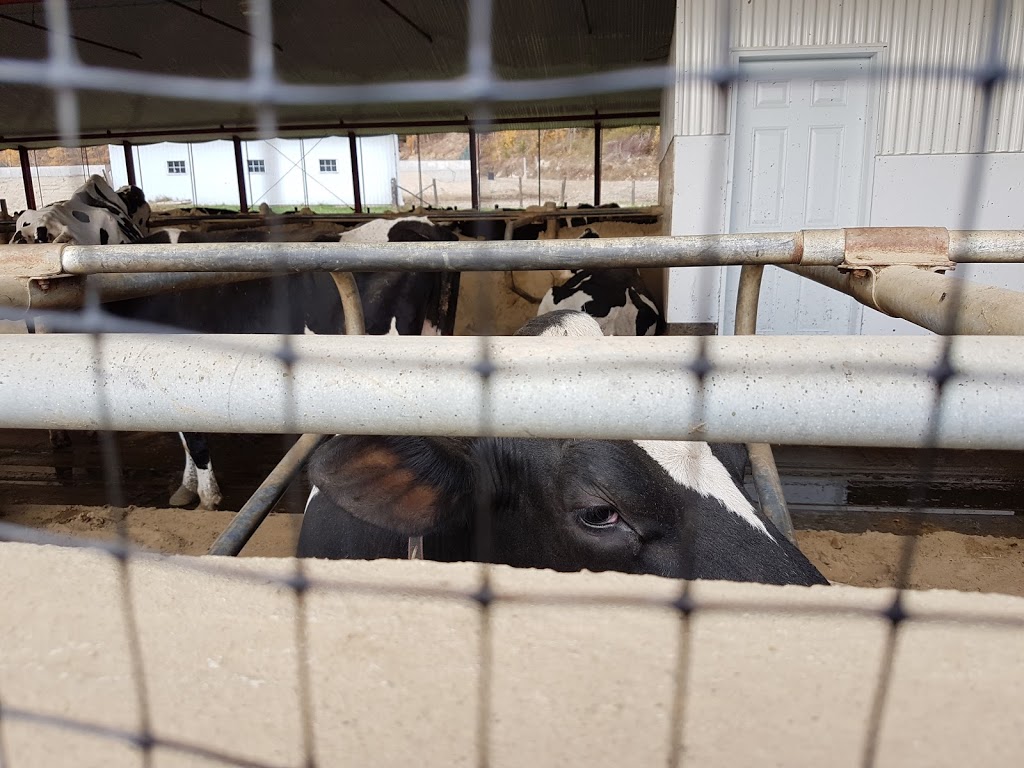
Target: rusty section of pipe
[(762, 461), (928, 299)]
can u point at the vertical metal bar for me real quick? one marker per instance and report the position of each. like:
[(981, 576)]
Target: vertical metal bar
[(243, 203), (244, 524), (129, 162), (474, 172), (26, 178), (597, 163), (539, 202), (419, 170), (762, 462), (353, 151), (305, 172)]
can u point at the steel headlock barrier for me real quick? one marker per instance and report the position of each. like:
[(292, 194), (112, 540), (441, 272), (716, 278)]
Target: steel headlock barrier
[(953, 391)]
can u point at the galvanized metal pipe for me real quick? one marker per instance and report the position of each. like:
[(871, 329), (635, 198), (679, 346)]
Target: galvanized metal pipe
[(762, 463), (695, 250), (926, 299), (865, 391), (244, 524), (259, 505)]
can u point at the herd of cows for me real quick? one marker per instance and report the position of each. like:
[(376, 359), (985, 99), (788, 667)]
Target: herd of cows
[(675, 509)]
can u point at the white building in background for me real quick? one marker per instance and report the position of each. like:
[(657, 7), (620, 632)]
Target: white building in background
[(294, 172), (819, 132)]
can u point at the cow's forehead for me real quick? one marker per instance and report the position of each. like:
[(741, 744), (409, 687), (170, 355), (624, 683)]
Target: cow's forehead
[(693, 465)]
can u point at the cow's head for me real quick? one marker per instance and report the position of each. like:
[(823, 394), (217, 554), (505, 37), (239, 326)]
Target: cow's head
[(669, 508)]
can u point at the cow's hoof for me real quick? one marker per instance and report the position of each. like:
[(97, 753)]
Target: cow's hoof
[(183, 497), (60, 438), (210, 504)]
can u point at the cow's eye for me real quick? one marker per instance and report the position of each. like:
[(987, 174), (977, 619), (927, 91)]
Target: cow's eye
[(598, 517)]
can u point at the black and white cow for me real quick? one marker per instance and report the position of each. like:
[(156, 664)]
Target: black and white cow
[(94, 215), (393, 302), (675, 509), (616, 298), (407, 303)]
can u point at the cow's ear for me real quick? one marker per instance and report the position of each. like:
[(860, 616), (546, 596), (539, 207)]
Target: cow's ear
[(409, 485)]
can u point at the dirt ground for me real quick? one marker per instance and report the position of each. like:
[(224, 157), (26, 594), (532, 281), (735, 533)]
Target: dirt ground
[(943, 560)]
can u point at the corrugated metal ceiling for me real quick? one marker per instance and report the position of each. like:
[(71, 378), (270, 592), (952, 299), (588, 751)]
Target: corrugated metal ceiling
[(326, 42)]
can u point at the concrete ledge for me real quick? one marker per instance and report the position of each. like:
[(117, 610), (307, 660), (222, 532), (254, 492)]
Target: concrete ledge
[(394, 676)]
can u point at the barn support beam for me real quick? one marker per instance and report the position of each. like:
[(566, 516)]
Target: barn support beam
[(474, 171), (927, 299), (596, 253), (357, 192), (129, 162), (597, 164), (868, 391), (243, 202), (26, 177)]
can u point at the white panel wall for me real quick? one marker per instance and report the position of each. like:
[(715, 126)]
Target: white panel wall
[(921, 113), (931, 191), (292, 174), (698, 166), (924, 126)]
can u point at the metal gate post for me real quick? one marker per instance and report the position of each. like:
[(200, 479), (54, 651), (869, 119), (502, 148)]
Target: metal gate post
[(762, 462)]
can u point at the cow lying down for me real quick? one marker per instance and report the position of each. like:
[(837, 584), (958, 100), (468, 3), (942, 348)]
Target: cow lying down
[(616, 298), (675, 509)]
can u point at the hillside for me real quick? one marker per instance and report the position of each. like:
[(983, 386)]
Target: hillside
[(628, 153)]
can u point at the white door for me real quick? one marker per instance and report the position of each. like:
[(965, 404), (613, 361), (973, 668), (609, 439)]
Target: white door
[(799, 164)]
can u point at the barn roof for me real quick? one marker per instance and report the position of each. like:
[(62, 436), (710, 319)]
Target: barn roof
[(319, 42)]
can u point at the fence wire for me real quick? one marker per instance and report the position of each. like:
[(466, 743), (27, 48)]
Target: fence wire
[(68, 78)]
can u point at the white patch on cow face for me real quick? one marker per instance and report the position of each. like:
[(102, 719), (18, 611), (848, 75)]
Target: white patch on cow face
[(694, 466), (394, 327)]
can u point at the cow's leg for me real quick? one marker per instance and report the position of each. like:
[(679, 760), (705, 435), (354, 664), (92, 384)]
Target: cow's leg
[(197, 447), (198, 480), (187, 492)]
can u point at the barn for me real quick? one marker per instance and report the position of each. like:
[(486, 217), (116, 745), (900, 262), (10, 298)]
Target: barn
[(551, 541)]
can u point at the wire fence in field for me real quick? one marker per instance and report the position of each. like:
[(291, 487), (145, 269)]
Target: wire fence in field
[(478, 86)]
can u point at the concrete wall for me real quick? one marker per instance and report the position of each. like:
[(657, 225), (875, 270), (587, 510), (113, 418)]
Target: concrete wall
[(51, 183), (395, 674)]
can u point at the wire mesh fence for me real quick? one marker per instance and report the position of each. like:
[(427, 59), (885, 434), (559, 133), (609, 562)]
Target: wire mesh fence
[(479, 88)]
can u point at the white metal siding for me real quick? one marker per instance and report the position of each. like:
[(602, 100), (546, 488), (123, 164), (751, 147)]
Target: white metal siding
[(921, 114)]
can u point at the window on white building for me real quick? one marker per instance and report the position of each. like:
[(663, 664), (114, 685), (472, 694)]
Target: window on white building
[(328, 166), (176, 167), (257, 166)]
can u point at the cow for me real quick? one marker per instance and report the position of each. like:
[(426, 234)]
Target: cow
[(393, 302), (616, 298), (674, 509), (94, 215)]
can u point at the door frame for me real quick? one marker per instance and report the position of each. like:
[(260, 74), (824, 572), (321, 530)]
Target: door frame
[(876, 59)]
